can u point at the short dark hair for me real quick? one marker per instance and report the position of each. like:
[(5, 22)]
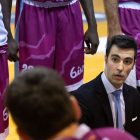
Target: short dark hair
[(39, 103), (122, 41)]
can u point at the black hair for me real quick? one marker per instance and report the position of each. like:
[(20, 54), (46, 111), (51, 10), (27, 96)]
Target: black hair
[(39, 103), (122, 41)]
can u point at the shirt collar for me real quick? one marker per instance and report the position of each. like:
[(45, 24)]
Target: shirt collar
[(108, 86), (81, 131)]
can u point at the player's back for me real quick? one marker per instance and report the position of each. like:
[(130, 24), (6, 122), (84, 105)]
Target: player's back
[(105, 134)]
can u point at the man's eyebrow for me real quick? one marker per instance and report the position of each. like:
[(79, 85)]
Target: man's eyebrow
[(129, 58), (119, 56), (115, 55)]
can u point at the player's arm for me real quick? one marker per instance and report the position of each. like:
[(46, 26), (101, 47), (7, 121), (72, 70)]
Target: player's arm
[(113, 22), (12, 51), (91, 35)]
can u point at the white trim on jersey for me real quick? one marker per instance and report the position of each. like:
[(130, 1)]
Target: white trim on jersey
[(74, 86), (4, 134), (48, 4), (130, 5), (3, 52)]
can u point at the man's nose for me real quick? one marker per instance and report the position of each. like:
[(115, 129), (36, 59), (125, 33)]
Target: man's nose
[(120, 66)]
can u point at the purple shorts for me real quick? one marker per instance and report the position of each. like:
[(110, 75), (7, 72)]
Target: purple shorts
[(54, 38), (4, 81), (129, 14), (121, 1)]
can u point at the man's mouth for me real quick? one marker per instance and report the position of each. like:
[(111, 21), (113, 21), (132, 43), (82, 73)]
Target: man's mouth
[(119, 76)]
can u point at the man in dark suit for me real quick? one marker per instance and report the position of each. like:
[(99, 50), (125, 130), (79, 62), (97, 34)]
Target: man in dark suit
[(107, 100)]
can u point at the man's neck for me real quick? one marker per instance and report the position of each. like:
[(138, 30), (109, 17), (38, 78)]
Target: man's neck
[(117, 86), (69, 131)]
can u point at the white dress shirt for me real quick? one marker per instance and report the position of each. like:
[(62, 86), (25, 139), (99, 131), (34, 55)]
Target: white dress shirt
[(109, 89)]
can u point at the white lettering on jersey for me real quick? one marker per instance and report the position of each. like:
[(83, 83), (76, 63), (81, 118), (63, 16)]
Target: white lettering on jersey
[(5, 114), (25, 67), (74, 73)]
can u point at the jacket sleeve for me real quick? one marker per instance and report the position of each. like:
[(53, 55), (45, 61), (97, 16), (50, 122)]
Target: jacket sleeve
[(83, 102)]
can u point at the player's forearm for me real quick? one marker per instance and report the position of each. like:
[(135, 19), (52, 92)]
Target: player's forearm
[(6, 10), (88, 9), (112, 17)]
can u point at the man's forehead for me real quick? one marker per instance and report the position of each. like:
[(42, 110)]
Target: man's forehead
[(122, 52)]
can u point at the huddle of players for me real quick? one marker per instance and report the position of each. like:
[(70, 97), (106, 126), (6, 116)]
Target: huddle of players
[(43, 109), (33, 126)]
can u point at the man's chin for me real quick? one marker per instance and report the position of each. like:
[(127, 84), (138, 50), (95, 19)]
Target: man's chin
[(118, 83)]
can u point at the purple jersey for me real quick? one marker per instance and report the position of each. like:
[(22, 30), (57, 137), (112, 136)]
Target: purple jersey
[(105, 134), (3, 48), (48, 3), (52, 0), (120, 1), (52, 38)]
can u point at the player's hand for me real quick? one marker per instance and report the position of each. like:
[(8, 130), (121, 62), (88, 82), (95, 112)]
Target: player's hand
[(12, 51), (92, 41)]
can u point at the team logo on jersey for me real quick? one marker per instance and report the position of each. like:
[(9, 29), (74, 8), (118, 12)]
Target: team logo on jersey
[(76, 71)]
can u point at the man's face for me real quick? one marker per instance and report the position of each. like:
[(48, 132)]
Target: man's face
[(118, 65)]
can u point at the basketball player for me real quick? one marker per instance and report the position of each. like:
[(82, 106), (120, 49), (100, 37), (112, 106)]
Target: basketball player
[(4, 80), (50, 33)]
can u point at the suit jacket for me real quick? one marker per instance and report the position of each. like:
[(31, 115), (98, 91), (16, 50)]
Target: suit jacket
[(96, 110)]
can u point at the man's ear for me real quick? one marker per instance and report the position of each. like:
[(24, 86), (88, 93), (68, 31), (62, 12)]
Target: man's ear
[(134, 64), (76, 108), (22, 135), (105, 59)]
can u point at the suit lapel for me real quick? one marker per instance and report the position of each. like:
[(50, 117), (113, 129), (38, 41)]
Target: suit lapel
[(103, 98), (128, 107)]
